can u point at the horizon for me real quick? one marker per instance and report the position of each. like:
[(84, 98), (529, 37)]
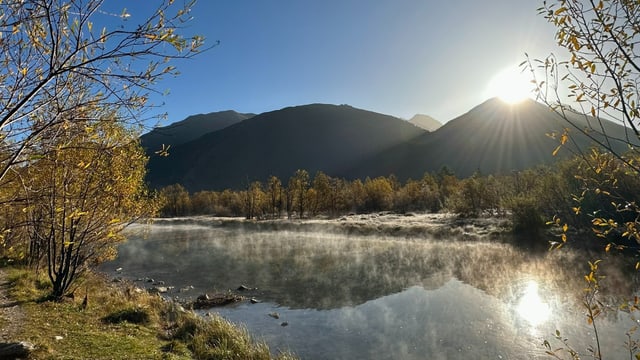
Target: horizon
[(494, 98), (399, 59)]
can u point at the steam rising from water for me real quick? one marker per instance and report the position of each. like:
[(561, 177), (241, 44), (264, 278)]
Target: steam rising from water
[(381, 297)]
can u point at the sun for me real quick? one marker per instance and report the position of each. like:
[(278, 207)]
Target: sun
[(510, 85)]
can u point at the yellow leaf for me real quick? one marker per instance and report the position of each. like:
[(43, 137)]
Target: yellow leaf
[(560, 11), (565, 227), (24, 71), (564, 238), (575, 43), (555, 152), (593, 111), (607, 248)]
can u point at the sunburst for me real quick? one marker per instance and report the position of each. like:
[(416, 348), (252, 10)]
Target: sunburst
[(510, 85)]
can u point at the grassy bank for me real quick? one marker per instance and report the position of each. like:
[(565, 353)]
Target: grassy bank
[(121, 322)]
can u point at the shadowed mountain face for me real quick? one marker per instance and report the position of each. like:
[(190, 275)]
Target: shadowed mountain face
[(190, 129), (345, 142), (312, 137), (494, 137)]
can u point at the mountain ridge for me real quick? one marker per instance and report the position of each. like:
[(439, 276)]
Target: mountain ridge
[(346, 142), (191, 128), (315, 137)]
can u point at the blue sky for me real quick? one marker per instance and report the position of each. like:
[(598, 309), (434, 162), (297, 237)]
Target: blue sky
[(398, 57)]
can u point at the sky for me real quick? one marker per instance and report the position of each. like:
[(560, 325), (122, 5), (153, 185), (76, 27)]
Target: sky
[(399, 57)]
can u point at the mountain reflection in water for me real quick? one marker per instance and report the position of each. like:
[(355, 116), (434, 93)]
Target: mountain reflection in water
[(381, 298)]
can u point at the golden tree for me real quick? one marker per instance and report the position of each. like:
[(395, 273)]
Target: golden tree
[(81, 193), (75, 83), (595, 85), (49, 49)]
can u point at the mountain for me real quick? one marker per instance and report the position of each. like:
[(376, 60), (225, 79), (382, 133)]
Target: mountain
[(190, 129), (345, 142), (313, 137), (426, 122), (494, 137)]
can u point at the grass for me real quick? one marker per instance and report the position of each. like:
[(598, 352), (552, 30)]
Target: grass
[(121, 322)]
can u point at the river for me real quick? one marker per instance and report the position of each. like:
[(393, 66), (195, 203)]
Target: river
[(331, 296)]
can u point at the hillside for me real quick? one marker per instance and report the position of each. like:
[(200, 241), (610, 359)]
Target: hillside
[(492, 138), (190, 128), (350, 143), (313, 137)]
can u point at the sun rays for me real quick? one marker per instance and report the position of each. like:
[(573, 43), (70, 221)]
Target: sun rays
[(510, 85)]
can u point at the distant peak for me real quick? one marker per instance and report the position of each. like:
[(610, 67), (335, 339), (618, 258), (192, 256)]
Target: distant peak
[(425, 122)]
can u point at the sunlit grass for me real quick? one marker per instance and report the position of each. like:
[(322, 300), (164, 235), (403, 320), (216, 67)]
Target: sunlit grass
[(121, 322)]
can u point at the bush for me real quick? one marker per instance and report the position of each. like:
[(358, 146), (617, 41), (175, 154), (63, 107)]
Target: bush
[(525, 215)]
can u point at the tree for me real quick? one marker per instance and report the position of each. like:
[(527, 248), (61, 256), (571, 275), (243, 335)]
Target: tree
[(74, 95), (356, 195), (176, 201), (204, 202), (57, 57), (274, 190), (379, 193), (297, 191), (254, 200), (80, 195), (601, 74), (600, 78), (323, 192)]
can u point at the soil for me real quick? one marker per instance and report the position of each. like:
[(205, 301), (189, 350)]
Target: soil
[(11, 315)]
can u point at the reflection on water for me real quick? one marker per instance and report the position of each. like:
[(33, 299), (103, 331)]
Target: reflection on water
[(347, 298), (532, 307)]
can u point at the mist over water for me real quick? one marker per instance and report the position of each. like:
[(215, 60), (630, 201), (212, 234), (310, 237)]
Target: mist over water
[(348, 297)]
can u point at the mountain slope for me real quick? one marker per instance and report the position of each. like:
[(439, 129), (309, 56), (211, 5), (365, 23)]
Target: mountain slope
[(493, 137), (350, 143), (314, 137), (190, 129)]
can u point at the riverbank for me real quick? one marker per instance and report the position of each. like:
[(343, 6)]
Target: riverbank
[(410, 225), (116, 321)]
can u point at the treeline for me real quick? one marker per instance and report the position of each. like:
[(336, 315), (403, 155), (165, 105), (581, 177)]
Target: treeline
[(530, 197)]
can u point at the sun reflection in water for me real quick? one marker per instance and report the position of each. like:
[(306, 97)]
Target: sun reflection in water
[(531, 307)]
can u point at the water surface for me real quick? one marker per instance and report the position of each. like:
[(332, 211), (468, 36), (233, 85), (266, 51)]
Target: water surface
[(342, 297)]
